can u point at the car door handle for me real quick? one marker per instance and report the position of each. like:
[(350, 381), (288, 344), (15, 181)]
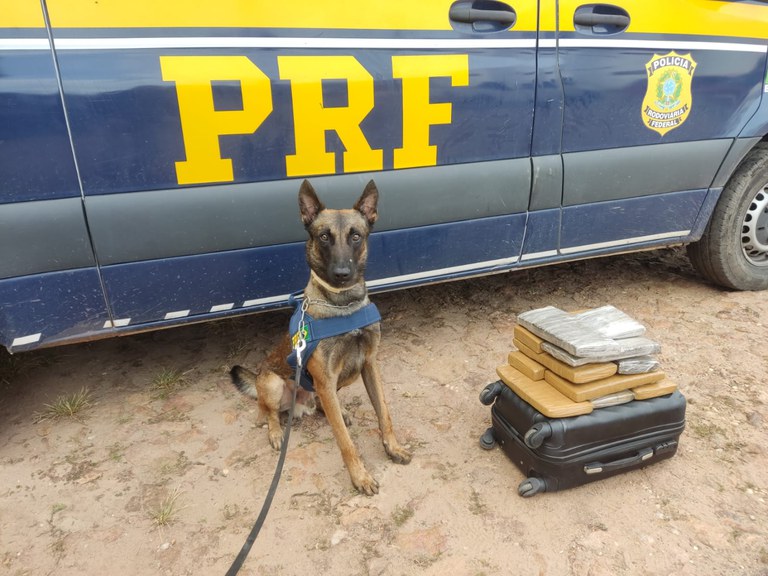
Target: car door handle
[(600, 19), (471, 12)]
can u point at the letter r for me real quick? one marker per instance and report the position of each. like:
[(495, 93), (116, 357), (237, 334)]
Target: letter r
[(312, 118)]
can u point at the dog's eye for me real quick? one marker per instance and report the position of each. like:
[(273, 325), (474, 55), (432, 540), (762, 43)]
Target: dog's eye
[(325, 237), (356, 237)]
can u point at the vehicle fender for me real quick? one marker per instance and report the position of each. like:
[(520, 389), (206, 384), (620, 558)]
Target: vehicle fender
[(757, 126)]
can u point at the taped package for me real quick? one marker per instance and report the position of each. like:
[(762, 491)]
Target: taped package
[(611, 322), (625, 348), (638, 365), (554, 404), (568, 333)]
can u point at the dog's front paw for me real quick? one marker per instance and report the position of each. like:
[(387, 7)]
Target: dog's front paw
[(398, 454), (276, 438), (365, 483)]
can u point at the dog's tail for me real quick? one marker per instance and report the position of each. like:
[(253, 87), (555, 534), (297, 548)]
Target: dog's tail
[(244, 380)]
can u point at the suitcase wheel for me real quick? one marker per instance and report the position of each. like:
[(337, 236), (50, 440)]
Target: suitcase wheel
[(489, 393), (537, 434), (531, 486), (487, 441)]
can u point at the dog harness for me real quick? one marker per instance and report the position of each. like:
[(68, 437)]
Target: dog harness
[(315, 329)]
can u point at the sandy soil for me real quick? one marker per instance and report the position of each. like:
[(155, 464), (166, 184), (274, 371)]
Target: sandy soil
[(86, 494)]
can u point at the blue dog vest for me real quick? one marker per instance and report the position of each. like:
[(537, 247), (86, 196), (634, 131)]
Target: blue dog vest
[(320, 328)]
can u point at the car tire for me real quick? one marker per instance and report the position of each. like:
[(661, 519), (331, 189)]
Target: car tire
[(733, 251)]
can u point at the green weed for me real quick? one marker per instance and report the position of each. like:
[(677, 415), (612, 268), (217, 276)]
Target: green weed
[(167, 509), (66, 406)]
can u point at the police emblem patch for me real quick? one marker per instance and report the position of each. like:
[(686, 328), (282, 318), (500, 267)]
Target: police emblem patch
[(668, 98)]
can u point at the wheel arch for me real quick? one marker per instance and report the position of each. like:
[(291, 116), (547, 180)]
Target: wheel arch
[(720, 254)]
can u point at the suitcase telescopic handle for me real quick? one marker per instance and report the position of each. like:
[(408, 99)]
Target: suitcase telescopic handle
[(602, 467)]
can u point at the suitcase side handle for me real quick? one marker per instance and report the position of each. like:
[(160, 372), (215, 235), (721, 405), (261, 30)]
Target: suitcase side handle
[(602, 467)]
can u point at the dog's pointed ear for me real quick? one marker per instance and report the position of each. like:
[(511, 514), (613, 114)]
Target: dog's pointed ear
[(309, 204), (367, 202)]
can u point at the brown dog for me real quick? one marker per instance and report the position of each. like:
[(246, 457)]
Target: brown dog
[(337, 251)]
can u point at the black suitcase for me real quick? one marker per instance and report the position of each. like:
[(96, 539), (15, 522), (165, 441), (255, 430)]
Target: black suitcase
[(558, 453)]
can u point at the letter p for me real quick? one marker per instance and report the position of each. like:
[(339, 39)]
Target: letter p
[(201, 123)]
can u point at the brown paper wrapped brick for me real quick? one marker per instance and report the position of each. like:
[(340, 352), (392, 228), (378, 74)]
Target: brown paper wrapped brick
[(582, 392), (577, 375), (526, 365), (528, 339), (540, 395)]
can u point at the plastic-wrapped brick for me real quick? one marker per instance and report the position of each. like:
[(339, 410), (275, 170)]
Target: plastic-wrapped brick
[(611, 322), (638, 365), (567, 332), (625, 348)]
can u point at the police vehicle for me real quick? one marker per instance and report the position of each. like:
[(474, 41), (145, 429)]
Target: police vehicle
[(151, 152)]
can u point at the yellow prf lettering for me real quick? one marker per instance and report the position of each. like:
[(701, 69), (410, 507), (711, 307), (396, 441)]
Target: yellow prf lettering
[(418, 112), (312, 119), (201, 123)]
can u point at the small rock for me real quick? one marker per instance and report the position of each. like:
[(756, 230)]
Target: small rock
[(338, 537), (91, 477)]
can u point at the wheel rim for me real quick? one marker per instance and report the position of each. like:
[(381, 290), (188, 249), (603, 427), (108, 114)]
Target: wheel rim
[(754, 229)]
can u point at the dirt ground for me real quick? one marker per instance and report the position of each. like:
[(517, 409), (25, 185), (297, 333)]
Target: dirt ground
[(164, 471)]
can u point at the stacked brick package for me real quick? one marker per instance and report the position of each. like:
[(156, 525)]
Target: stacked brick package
[(568, 364)]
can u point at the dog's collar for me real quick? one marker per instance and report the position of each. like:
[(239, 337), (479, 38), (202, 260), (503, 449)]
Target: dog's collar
[(327, 286)]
